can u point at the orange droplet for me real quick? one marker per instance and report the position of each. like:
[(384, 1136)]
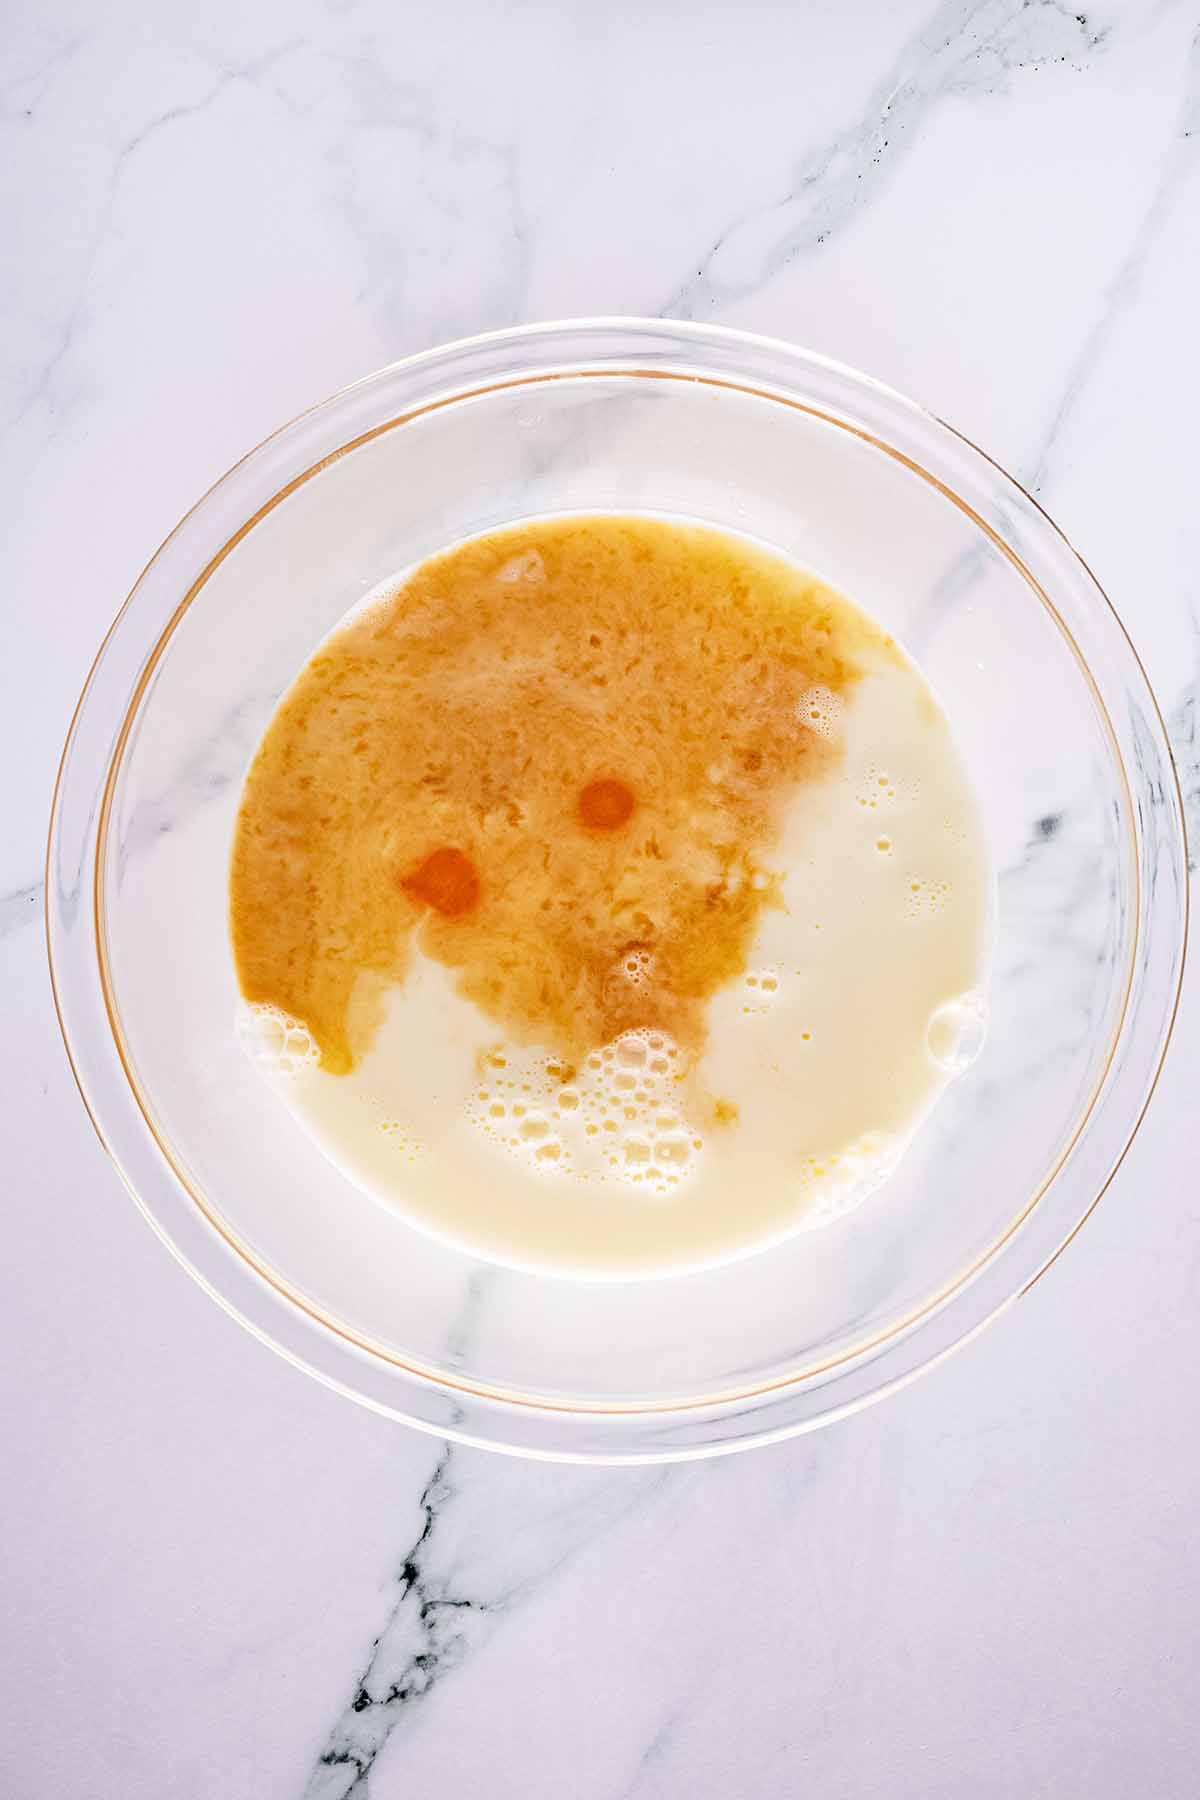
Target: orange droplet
[(605, 804), (447, 881)]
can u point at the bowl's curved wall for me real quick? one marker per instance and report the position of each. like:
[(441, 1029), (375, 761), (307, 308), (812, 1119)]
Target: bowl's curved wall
[(1054, 717)]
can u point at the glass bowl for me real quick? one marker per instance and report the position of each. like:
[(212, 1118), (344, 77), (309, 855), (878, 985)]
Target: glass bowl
[(1052, 712)]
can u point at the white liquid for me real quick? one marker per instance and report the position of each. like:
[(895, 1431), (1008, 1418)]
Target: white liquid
[(863, 999)]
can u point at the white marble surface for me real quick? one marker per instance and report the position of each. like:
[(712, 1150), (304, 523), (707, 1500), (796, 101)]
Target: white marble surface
[(221, 1581)]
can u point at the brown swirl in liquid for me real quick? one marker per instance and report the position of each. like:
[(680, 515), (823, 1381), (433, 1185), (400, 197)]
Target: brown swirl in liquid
[(550, 749)]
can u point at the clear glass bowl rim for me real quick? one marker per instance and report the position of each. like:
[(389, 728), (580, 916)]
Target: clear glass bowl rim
[(529, 1425)]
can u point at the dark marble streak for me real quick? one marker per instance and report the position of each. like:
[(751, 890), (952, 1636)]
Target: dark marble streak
[(442, 1627), (964, 49), (486, 1544)]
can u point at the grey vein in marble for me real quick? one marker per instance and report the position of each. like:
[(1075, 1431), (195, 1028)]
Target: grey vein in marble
[(1123, 288), (436, 1621), (1122, 291), (965, 49), (40, 388), (1183, 729), (459, 264), (204, 775), (29, 80), (656, 1751), (20, 908), (428, 1633)]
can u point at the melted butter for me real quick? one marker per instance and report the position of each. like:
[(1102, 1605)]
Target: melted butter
[(551, 750)]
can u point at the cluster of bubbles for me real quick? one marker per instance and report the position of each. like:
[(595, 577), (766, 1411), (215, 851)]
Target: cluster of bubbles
[(923, 899), (637, 967), (760, 990), (877, 789), (276, 1043), (614, 1119), (820, 709), (402, 1139), (836, 1183)]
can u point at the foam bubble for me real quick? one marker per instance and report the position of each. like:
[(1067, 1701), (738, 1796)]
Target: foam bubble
[(617, 1119), (956, 1032), (637, 967), (402, 1139), (834, 1183), (820, 710), (924, 899), (877, 789), (278, 1045), (761, 988)]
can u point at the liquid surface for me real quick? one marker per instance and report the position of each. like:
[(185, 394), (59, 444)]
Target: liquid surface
[(606, 895)]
